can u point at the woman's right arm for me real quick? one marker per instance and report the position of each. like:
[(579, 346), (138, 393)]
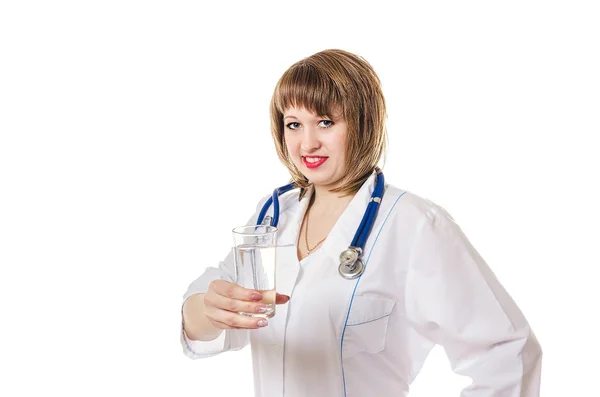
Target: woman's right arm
[(200, 335), (195, 323), (205, 315), (211, 306)]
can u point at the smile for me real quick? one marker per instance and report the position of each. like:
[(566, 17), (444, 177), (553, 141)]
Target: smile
[(313, 161)]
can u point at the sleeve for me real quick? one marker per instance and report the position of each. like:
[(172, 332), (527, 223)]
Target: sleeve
[(454, 299), (229, 340)]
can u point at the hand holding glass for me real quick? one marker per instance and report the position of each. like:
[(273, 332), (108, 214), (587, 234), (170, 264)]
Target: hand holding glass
[(254, 259)]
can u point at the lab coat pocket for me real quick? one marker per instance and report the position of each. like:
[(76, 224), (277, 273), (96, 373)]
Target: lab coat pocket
[(367, 324)]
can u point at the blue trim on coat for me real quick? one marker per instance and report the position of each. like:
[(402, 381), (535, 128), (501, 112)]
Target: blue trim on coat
[(354, 291)]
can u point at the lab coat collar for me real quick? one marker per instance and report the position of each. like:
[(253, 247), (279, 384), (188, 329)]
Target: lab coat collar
[(342, 233)]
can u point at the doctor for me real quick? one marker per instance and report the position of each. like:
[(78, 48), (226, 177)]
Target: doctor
[(423, 282)]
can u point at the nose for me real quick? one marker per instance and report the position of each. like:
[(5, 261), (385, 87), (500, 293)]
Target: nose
[(310, 140)]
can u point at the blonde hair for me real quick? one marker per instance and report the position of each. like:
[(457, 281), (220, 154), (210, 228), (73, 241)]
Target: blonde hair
[(329, 81)]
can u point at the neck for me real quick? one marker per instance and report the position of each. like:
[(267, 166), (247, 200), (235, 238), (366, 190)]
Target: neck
[(324, 201)]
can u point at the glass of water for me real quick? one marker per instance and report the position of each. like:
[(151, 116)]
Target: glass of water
[(254, 258)]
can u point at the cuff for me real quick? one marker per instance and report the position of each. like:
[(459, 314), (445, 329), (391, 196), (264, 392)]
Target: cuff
[(202, 349)]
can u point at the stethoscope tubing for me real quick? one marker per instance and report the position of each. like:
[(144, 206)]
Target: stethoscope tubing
[(355, 267)]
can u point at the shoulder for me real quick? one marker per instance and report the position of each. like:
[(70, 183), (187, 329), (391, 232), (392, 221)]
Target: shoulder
[(406, 206), (287, 201), (262, 202)]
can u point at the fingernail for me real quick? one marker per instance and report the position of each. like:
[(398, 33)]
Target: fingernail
[(262, 323), (257, 297), (262, 309)]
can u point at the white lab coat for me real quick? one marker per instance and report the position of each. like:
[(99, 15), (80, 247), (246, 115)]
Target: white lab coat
[(424, 284)]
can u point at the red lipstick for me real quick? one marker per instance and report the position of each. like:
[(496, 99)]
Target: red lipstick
[(315, 162)]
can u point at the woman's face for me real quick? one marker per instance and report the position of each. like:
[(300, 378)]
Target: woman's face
[(316, 145)]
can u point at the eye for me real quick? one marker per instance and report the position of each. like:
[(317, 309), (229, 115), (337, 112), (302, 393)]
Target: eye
[(292, 126), (327, 121)]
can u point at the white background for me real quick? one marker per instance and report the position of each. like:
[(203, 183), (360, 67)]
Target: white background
[(125, 127)]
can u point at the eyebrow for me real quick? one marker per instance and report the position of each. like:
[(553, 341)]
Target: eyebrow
[(296, 118)]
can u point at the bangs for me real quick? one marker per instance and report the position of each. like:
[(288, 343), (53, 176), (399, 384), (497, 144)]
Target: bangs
[(338, 85), (304, 86)]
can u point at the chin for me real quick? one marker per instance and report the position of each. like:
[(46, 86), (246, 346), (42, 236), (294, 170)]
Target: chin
[(324, 181)]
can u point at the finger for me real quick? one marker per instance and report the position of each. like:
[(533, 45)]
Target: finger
[(281, 299), (229, 320), (234, 291), (221, 325), (232, 305)]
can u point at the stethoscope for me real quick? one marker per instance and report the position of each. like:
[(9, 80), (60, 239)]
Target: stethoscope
[(351, 266)]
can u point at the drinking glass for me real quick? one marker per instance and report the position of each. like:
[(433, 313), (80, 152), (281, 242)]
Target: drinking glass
[(254, 259)]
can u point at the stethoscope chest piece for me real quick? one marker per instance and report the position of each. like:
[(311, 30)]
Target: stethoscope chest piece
[(351, 271), (350, 255), (351, 266)]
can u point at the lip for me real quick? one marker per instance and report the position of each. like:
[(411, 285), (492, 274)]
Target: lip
[(316, 164)]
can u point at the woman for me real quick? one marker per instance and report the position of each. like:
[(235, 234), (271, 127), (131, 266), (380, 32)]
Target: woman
[(423, 284)]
